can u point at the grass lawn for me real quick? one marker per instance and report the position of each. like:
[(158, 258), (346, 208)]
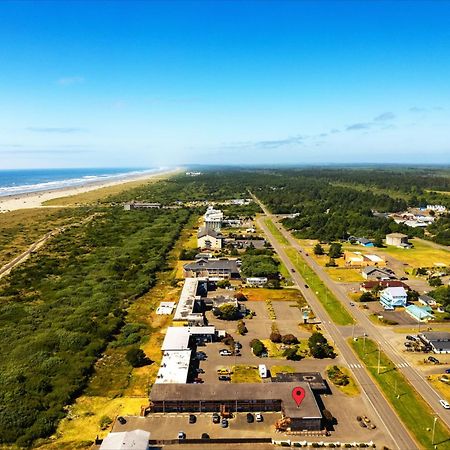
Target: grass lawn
[(344, 275), (443, 388), (274, 295), (274, 370), (421, 255), (333, 306), (245, 374), (276, 232), (411, 408), (351, 389), (273, 349)]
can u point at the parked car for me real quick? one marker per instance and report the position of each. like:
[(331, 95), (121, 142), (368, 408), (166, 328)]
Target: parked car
[(408, 344), (224, 423), (192, 418), (225, 352), (216, 418), (403, 278), (259, 417), (181, 435), (205, 436), (351, 304), (199, 370), (306, 286), (250, 418), (410, 338), (433, 360), (444, 403), (292, 270), (237, 345), (224, 378), (198, 380), (122, 420), (200, 356), (264, 355), (447, 370)]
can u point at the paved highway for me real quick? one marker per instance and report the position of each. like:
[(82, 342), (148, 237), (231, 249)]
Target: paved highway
[(398, 433), (413, 375)]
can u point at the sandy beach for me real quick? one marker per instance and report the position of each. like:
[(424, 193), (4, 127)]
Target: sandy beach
[(35, 199)]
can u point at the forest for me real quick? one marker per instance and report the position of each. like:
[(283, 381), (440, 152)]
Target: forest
[(60, 308)]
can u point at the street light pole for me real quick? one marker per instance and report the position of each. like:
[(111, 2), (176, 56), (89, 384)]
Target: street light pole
[(434, 429), (379, 358)]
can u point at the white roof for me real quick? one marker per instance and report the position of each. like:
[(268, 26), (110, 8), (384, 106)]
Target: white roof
[(374, 258), (395, 291), (187, 299), (177, 338), (174, 367), (126, 440), (165, 308)]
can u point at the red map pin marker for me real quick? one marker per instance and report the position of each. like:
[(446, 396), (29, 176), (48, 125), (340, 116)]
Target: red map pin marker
[(298, 394)]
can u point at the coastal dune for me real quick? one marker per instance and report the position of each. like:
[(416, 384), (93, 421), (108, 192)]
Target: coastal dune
[(36, 199)]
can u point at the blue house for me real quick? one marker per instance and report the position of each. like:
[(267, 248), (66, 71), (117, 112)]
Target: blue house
[(392, 297), (421, 314), (361, 241)]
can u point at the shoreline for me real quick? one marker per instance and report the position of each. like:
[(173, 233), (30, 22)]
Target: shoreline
[(31, 200)]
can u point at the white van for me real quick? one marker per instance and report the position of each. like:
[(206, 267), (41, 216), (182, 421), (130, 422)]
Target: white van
[(262, 371)]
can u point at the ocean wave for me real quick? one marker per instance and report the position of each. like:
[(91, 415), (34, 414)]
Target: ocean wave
[(70, 182)]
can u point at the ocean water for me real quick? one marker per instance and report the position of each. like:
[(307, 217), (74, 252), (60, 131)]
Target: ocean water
[(34, 180)]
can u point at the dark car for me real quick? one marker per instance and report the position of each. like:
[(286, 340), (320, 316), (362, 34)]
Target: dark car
[(403, 278), (199, 370), (205, 436), (237, 345), (216, 418), (433, 360), (292, 270), (192, 418), (250, 418), (410, 338), (447, 370), (306, 286), (224, 423), (224, 378), (122, 420), (198, 380)]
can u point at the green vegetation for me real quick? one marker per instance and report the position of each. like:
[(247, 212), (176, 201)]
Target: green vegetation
[(61, 307), (228, 311), (442, 296), (259, 266), (258, 348), (332, 305), (409, 405), (245, 374), (341, 378), (319, 346), (276, 232), (136, 357)]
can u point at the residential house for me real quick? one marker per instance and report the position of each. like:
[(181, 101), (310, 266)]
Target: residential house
[(421, 314), (361, 241), (368, 286), (209, 239), (376, 273), (392, 297), (427, 300), (357, 259), (398, 240), (212, 268), (256, 281), (141, 205)]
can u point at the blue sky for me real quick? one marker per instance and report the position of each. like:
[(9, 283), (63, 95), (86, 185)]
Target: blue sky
[(148, 83)]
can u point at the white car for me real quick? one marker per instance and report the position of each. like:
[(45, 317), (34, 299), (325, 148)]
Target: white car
[(445, 404), (225, 352), (258, 417)]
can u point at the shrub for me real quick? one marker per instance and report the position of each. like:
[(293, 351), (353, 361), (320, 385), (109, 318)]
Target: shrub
[(367, 297), (258, 347), (105, 422), (289, 339), (229, 311), (275, 337), (241, 328), (291, 354), (319, 347), (240, 297), (136, 357), (318, 249)]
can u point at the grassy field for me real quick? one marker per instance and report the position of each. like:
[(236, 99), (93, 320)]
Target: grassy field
[(440, 386), (332, 305), (351, 389), (411, 408), (274, 370), (421, 255), (274, 295), (116, 388), (344, 275), (245, 374), (100, 194), (19, 229)]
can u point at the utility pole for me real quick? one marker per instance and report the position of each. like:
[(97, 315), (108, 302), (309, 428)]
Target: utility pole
[(434, 429), (379, 358), (353, 331)]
